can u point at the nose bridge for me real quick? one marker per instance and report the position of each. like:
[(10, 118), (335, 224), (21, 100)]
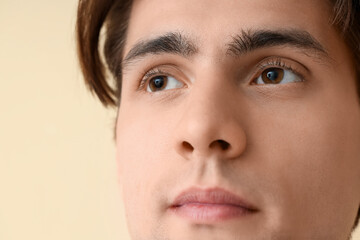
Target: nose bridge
[(208, 107), (210, 123)]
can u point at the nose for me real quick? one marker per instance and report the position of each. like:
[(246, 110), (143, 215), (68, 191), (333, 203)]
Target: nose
[(211, 125)]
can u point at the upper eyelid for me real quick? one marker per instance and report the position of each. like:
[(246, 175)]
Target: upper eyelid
[(159, 69), (269, 65), (281, 62), (154, 72)]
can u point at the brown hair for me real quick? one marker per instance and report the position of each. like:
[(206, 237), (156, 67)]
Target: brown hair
[(92, 15)]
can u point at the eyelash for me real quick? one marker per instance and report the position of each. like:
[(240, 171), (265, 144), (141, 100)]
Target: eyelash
[(273, 62)]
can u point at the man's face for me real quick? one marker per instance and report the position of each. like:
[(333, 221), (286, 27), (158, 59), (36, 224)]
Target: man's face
[(253, 97)]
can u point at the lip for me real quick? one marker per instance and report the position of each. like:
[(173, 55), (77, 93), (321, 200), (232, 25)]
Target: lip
[(211, 205)]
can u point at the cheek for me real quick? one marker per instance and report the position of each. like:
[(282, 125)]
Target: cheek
[(317, 161), (323, 155), (142, 141), (134, 153)]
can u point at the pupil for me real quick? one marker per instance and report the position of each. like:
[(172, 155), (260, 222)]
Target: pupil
[(159, 82), (272, 75)]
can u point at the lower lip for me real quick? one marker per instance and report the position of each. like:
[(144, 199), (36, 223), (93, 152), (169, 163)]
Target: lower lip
[(208, 212)]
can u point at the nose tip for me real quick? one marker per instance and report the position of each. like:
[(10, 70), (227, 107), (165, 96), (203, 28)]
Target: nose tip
[(211, 135)]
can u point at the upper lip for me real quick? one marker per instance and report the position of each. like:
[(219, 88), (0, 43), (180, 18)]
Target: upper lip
[(214, 195)]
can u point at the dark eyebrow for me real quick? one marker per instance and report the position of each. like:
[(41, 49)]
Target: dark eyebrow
[(248, 41), (173, 42), (245, 42)]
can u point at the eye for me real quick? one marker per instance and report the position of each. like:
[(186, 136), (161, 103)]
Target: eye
[(277, 75), (159, 83)]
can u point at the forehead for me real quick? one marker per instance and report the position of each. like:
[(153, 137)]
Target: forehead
[(213, 22)]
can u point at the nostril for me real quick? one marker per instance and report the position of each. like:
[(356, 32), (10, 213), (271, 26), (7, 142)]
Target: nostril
[(188, 146), (223, 144)]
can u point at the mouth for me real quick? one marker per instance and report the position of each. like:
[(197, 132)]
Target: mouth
[(211, 205)]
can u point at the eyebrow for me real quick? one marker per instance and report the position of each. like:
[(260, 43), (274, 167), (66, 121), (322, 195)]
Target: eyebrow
[(243, 43), (248, 41), (173, 43)]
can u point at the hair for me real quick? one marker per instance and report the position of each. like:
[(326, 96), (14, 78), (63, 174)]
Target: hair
[(113, 17)]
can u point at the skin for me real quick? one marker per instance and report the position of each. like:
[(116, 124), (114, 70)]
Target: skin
[(293, 147)]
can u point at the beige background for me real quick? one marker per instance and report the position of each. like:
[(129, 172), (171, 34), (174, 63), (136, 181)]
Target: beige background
[(57, 160)]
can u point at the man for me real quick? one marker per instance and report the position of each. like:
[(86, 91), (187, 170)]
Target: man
[(238, 119)]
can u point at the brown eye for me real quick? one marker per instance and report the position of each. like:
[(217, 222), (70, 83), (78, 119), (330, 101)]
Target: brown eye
[(157, 83), (273, 75), (160, 83)]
